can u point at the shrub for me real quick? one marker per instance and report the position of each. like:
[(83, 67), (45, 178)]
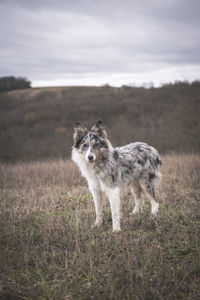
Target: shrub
[(13, 83)]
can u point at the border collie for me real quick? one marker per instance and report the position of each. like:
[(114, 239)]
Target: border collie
[(134, 167)]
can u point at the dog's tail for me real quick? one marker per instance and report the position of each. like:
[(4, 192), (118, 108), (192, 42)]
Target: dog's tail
[(157, 174), (155, 160), (158, 162)]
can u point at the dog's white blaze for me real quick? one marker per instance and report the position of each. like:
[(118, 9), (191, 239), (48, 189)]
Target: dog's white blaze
[(88, 153)]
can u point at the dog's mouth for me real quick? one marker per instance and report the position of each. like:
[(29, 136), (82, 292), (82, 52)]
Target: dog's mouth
[(91, 161)]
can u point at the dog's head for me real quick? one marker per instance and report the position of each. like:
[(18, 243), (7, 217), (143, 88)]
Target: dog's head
[(92, 144)]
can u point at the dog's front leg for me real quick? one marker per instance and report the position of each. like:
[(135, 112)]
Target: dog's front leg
[(97, 197), (114, 199)]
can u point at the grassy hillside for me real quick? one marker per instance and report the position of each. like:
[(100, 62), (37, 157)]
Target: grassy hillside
[(49, 251), (38, 123)]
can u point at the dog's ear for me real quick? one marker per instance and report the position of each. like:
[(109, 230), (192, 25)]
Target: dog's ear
[(79, 132), (99, 128)]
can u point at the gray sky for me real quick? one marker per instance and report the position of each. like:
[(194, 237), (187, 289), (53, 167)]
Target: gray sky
[(93, 42)]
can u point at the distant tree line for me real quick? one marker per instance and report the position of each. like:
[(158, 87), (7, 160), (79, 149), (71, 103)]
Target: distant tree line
[(195, 83), (10, 83)]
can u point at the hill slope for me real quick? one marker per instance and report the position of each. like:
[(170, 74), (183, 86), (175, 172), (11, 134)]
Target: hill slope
[(38, 123)]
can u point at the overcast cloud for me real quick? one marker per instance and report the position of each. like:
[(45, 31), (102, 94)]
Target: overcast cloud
[(92, 42)]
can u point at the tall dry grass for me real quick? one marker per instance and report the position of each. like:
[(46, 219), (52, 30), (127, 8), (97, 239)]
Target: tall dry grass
[(49, 251)]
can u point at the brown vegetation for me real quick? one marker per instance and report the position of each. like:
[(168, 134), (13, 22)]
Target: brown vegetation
[(49, 251), (166, 118)]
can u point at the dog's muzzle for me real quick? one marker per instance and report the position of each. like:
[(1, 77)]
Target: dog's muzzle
[(91, 158)]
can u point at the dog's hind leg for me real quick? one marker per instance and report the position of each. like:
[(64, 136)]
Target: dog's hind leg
[(149, 190), (136, 190), (114, 199)]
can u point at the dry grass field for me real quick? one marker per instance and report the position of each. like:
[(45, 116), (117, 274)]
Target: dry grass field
[(49, 251)]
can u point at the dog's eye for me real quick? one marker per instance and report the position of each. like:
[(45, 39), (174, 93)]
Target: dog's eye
[(85, 146)]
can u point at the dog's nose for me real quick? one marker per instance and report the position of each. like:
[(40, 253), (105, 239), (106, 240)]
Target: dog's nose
[(90, 157)]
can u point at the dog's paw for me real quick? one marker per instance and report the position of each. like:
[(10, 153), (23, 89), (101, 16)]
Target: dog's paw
[(116, 230), (154, 210), (96, 225)]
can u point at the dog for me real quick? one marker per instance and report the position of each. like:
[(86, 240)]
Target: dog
[(134, 167)]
